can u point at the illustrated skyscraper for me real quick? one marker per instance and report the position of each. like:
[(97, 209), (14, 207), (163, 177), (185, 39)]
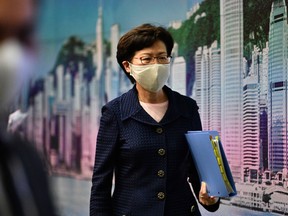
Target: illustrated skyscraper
[(197, 84), (208, 86), (115, 36), (231, 22), (251, 118), (178, 75), (215, 88), (263, 109), (204, 109), (97, 85), (277, 93)]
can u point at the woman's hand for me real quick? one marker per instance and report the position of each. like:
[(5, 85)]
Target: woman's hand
[(204, 198)]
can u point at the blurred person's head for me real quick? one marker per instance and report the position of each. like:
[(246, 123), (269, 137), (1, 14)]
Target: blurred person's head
[(17, 22)]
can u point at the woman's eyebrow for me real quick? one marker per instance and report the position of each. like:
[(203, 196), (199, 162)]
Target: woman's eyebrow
[(149, 53)]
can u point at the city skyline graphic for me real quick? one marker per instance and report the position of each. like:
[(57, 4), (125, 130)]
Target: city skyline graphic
[(242, 96)]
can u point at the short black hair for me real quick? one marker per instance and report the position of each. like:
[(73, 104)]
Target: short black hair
[(139, 38)]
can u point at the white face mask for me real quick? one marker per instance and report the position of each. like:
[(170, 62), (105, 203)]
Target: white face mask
[(151, 77), (16, 66)]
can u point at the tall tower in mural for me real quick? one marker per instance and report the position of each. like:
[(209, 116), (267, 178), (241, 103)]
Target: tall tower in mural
[(204, 109), (98, 82), (113, 69), (97, 85), (251, 118), (231, 13), (215, 87), (178, 75), (208, 86), (99, 59), (264, 109), (277, 93)]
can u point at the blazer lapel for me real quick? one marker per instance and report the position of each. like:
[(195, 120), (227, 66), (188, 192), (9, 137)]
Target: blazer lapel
[(131, 108), (173, 112)]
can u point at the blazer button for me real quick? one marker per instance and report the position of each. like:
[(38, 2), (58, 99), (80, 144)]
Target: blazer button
[(161, 152), (159, 130), (161, 173), (161, 195), (192, 208)]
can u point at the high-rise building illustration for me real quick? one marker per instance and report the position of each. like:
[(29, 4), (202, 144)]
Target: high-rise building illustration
[(112, 68), (205, 85), (48, 98), (263, 77), (277, 93), (215, 88), (38, 122), (98, 58), (178, 75), (251, 148), (68, 118), (231, 24), (208, 86), (94, 118), (263, 126), (97, 86), (115, 69), (59, 114), (197, 84), (88, 149)]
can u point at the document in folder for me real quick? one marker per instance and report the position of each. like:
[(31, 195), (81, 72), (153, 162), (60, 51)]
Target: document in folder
[(211, 162)]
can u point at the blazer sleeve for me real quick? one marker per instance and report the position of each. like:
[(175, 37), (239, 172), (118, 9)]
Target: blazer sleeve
[(100, 199)]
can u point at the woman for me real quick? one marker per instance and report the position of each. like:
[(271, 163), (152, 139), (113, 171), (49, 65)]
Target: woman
[(141, 138)]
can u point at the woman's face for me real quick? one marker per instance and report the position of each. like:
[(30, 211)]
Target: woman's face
[(158, 49)]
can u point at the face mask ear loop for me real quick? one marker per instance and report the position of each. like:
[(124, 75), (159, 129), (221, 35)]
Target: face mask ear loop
[(131, 71)]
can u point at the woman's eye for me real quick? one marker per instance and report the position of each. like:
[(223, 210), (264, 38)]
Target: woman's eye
[(146, 59), (162, 58)]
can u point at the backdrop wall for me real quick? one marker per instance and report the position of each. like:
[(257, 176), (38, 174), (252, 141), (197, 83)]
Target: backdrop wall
[(230, 56)]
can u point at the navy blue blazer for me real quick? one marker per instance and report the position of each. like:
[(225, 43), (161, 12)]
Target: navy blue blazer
[(151, 160)]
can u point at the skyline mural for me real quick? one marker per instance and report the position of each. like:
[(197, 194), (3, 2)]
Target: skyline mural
[(230, 60)]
